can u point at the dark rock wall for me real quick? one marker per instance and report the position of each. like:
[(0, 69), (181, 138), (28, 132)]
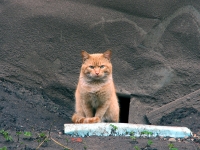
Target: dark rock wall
[(155, 45)]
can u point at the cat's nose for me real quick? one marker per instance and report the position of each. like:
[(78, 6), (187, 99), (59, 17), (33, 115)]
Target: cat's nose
[(97, 73)]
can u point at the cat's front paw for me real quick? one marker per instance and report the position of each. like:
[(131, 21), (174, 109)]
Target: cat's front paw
[(92, 120), (97, 119)]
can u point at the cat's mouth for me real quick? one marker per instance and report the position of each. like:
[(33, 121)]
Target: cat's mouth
[(97, 77)]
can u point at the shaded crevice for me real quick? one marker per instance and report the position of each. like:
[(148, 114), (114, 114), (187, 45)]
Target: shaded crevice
[(124, 103)]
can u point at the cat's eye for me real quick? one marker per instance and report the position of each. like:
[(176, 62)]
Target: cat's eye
[(92, 67), (102, 66)]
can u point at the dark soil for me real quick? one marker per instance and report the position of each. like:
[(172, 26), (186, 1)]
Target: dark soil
[(24, 109), (188, 117)]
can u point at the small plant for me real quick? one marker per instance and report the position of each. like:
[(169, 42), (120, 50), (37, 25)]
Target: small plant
[(6, 135), (3, 148), (42, 137), (67, 140), (48, 138), (18, 133), (114, 128), (136, 148), (145, 132), (171, 146), (132, 133), (149, 142), (28, 134), (85, 146), (132, 136)]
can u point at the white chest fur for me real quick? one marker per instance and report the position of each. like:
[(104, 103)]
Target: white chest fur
[(93, 87)]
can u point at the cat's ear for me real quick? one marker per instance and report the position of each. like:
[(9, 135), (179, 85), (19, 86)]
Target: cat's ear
[(107, 54), (85, 55)]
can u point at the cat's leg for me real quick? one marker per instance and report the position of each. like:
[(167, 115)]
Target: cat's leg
[(79, 114), (112, 113), (101, 110), (84, 111), (88, 111), (90, 118)]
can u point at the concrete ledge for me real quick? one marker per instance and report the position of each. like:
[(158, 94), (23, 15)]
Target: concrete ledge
[(124, 129)]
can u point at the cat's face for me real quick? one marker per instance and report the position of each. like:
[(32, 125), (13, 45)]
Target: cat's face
[(96, 66)]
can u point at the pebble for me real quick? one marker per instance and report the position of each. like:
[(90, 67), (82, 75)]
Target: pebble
[(188, 98), (172, 140)]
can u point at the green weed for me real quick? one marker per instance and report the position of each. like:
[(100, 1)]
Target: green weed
[(67, 140), (3, 148), (149, 142), (42, 137), (113, 127), (171, 146), (28, 134), (136, 148), (18, 133), (85, 146), (6, 135), (145, 132), (132, 136)]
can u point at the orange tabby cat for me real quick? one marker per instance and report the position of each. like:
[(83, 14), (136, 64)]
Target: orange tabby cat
[(96, 99)]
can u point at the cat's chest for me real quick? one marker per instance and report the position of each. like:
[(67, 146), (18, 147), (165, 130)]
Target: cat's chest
[(94, 99), (93, 88)]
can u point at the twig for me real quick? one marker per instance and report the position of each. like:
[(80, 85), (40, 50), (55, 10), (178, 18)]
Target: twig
[(51, 128), (41, 143), (60, 143), (49, 137)]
